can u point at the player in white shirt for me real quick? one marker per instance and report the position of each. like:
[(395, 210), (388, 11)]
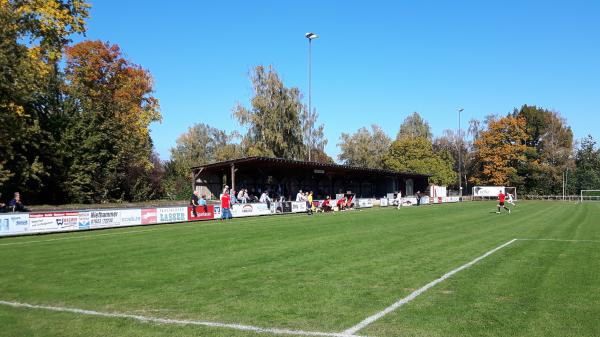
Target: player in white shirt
[(510, 200)]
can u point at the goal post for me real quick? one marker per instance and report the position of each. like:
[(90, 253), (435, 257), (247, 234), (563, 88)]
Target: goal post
[(589, 195)]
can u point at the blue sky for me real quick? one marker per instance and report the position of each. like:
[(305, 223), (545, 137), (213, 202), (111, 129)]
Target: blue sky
[(375, 61)]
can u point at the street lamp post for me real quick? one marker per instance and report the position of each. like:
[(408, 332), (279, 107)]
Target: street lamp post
[(310, 37), (459, 155)]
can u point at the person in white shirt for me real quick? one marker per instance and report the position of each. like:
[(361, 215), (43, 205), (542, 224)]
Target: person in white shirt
[(399, 199), (510, 199), (241, 197), (300, 196), (264, 198)]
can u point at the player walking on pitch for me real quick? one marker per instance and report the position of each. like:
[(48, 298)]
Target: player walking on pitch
[(501, 198)]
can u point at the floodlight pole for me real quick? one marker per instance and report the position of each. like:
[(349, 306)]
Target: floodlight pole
[(459, 156), (310, 37)]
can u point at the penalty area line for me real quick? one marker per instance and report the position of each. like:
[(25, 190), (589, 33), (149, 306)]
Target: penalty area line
[(416, 293), (159, 320), (561, 240)]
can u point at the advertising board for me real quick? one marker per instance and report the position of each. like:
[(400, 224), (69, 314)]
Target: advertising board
[(172, 214), (53, 221), (105, 218), (242, 210), (365, 203), (383, 202), (487, 191), (14, 223), (84, 220), (201, 213), (149, 216), (452, 199), (298, 206), (217, 212), (131, 217)]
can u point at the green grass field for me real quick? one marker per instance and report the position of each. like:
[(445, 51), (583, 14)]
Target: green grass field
[(322, 273)]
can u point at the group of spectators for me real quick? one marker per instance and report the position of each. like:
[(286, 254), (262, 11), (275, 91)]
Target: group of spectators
[(14, 205), (343, 204), (228, 198), (326, 205)]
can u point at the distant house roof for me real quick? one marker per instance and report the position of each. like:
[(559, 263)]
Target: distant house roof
[(298, 164)]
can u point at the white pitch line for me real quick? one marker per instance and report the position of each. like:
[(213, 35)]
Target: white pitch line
[(140, 231), (419, 291), (148, 319), (80, 237), (562, 240)]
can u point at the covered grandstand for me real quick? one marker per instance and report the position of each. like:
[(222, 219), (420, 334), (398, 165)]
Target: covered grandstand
[(285, 177)]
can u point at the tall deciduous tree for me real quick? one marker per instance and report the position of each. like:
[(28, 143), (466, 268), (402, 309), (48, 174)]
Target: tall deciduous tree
[(499, 151), (32, 36), (364, 148), (549, 150), (273, 120), (416, 155), (449, 144), (414, 126), (108, 139), (200, 144)]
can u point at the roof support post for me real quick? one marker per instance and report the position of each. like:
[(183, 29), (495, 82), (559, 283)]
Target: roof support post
[(233, 176), (195, 177)]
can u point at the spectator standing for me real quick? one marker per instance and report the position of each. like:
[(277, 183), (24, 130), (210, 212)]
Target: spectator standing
[(194, 203), (264, 198), (309, 203), (418, 198), (16, 205), (233, 198), (300, 196), (225, 205)]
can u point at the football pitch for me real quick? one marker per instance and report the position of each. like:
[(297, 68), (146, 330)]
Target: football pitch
[(442, 270)]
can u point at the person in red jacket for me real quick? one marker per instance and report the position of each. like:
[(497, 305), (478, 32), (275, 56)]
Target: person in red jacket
[(341, 204), (326, 206), (501, 199), (225, 205)]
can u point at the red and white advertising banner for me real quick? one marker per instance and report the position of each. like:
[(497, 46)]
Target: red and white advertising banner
[(201, 213), (103, 219), (53, 221), (172, 214), (149, 216)]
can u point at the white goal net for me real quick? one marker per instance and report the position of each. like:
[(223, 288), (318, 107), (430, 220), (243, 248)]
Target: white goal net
[(589, 195)]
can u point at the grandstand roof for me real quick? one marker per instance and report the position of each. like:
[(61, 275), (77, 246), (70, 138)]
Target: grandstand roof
[(298, 164)]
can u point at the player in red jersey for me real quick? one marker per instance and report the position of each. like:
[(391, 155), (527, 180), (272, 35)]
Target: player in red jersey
[(501, 198)]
